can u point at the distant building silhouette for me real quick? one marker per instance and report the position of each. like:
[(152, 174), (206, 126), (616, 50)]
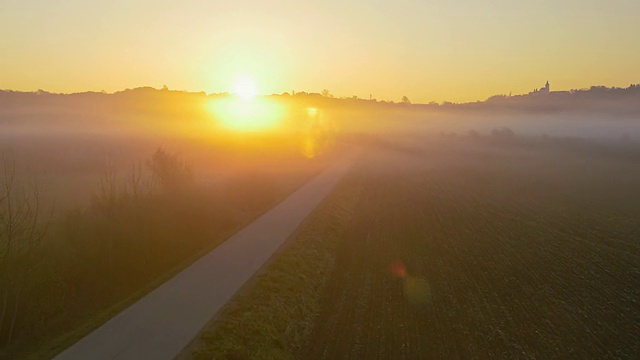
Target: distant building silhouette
[(544, 90)]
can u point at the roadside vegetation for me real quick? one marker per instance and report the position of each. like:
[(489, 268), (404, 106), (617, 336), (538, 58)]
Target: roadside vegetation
[(23, 224), (63, 276)]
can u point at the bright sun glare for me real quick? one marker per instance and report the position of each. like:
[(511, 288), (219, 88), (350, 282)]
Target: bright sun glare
[(245, 111), (245, 88)]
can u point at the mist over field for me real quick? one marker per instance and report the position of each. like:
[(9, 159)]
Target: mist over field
[(64, 141), (132, 186), (198, 180), (53, 136)]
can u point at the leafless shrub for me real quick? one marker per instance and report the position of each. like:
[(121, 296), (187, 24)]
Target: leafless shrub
[(22, 229)]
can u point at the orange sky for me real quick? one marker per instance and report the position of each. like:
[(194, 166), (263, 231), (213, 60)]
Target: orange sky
[(455, 50)]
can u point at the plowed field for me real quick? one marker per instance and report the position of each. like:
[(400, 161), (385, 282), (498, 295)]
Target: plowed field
[(473, 253)]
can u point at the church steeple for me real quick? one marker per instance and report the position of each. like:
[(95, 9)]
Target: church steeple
[(543, 90)]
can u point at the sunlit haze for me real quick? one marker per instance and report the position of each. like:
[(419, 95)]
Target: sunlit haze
[(245, 88), (461, 50), (319, 180)]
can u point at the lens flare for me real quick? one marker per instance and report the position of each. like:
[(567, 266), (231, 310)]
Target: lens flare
[(415, 289), (317, 133), (398, 269), (309, 148)]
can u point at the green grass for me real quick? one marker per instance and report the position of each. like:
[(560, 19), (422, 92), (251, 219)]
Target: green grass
[(272, 317)]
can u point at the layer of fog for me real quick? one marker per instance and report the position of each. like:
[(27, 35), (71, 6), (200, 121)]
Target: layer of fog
[(65, 147)]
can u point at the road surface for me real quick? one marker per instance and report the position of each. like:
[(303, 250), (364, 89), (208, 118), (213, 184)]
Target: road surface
[(163, 322)]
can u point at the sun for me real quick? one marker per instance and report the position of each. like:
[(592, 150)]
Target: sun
[(245, 111), (245, 88)]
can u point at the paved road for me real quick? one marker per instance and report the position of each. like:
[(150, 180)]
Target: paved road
[(162, 323)]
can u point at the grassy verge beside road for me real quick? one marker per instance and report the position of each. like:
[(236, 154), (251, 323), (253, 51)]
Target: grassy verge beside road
[(273, 316)]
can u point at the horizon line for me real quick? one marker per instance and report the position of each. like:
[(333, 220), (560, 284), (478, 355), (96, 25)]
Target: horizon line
[(295, 93)]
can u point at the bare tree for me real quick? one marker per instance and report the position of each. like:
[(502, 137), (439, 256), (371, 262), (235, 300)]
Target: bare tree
[(21, 232), (106, 200), (114, 188), (171, 173), (135, 180)]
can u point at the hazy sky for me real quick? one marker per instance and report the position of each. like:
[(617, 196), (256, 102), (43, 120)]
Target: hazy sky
[(456, 50)]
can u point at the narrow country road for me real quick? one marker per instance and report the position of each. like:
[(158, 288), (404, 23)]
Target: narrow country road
[(163, 322)]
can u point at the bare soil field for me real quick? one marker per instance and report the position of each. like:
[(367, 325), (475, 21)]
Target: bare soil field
[(466, 252)]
